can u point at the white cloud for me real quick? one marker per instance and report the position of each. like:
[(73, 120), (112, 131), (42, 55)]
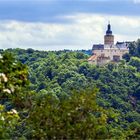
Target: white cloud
[(80, 33), (136, 1)]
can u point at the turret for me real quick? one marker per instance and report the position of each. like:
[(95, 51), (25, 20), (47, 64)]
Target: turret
[(109, 38)]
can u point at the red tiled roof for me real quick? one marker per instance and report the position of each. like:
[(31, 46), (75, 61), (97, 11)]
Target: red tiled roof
[(93, 57)]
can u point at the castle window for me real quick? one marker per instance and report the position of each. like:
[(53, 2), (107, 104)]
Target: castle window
[(116, 58)]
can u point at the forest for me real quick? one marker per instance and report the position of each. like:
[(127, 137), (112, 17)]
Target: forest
[(58, 95)]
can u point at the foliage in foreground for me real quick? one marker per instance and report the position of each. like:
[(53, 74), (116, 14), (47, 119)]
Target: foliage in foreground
[(75, 117)]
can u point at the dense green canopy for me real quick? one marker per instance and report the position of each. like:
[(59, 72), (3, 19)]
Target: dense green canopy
[(58, 95)]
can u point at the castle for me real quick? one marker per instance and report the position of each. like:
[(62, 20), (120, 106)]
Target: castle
[(104, 53)]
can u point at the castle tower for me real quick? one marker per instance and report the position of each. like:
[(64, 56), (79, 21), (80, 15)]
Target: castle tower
[(109, 38)]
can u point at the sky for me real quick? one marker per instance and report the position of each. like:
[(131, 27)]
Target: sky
[(66, 24)]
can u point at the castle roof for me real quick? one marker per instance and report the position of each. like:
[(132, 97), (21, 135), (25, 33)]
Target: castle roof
[(93, 57), (109, 32), (98, 47), (119, 43)]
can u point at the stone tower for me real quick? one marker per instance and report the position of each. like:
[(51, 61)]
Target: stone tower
[(109, 38)]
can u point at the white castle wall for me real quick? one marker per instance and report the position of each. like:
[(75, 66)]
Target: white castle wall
[(110, 52)]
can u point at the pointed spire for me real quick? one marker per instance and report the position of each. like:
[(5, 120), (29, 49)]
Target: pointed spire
[(108, 32)]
